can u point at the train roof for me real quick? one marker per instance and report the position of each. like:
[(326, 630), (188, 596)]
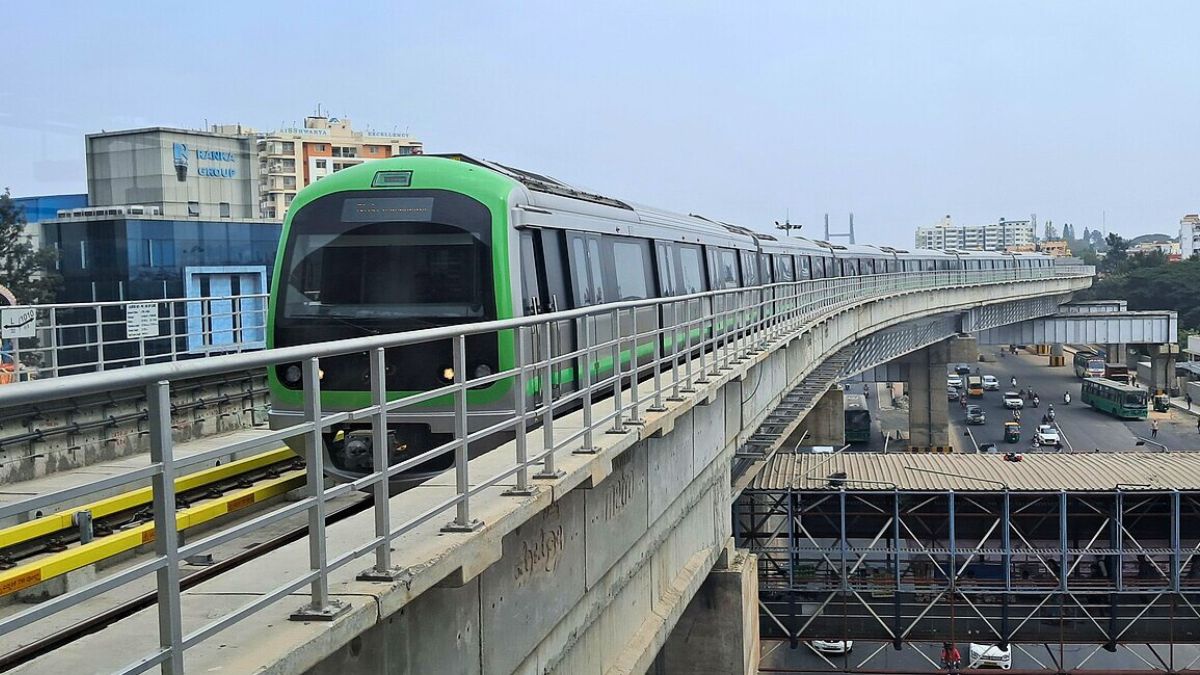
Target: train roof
[(546, 192)]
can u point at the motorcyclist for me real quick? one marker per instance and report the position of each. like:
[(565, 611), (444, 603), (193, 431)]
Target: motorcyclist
[(1067, 398), (1036, 401), (1014, 380)]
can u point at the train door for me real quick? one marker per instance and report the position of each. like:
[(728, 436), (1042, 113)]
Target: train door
[(588, 288), (536, 299)]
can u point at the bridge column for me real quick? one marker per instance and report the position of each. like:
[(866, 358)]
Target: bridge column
[(928, 409), (1162, 367), (1057, 358), (1114, 353), (827, 421), (718, 632)]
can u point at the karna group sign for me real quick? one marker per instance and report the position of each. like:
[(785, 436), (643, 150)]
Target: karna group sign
[(182, 158)]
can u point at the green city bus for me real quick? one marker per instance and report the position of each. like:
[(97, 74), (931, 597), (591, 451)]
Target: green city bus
[(1115, 398)]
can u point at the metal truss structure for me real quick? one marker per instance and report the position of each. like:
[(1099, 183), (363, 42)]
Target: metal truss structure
[(1115, 570)]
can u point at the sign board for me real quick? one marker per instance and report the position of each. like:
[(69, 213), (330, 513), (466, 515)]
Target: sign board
[(141, 320), (18, 322)]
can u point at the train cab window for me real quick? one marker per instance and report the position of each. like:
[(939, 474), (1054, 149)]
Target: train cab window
[(631, 268), (749, 268), (783, 268), (666, 268), (691, 271)]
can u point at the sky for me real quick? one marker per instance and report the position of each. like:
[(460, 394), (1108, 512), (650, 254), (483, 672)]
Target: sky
[(901, 113)]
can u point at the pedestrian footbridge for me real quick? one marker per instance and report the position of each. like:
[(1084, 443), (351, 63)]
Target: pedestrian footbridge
[(576, 547)]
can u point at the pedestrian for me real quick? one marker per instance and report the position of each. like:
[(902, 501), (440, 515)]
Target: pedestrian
[(1188, 396), (1154, 429), (1058, 446), (1198, 424)]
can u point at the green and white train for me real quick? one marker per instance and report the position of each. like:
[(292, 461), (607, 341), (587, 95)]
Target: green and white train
[(417, 242)]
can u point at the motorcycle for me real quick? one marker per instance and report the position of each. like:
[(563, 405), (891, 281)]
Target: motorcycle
[(1067, 399), (1036, 401)]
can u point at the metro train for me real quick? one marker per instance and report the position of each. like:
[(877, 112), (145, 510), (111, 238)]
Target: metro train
[(436, 240)]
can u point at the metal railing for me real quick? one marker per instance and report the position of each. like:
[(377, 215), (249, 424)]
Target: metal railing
[(641, 353), (42, 341)]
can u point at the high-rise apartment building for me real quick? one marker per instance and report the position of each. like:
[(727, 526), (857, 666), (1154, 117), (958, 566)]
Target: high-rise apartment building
[(291, 158), (1189, 235), (990, 237)]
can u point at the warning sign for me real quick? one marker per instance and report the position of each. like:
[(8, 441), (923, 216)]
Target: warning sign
[(141, 320)]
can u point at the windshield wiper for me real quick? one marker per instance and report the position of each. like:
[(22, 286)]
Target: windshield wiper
[(352, 324)]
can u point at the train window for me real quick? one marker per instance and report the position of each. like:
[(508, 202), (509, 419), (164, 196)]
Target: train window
[(783, 268), (631, 265), (691, 275), (764, 268), (585, 271), (666, 268), (749, 268)]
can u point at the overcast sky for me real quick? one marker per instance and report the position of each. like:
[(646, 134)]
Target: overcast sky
[(899, 112)]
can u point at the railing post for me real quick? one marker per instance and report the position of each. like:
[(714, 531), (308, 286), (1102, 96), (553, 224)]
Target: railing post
[(618, 426), (462, 521), (166, 534), (687, 350), (635, 415), (380, 460), (99, 338), (520, 395), (657, 404), (547, 387), (585, 386), (321, 607)]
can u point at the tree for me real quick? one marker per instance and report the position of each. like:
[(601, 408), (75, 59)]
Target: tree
[(1087, 236), (1117, 252), (1068, 233), (26, 271), (1050, 232)]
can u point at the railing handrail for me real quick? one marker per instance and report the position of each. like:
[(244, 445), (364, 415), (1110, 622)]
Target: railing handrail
[(118, 303), (89, 383)]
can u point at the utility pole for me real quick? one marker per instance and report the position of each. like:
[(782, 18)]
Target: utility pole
[(848, 236)]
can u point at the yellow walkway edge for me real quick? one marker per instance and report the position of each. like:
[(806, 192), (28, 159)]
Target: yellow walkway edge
[(30, 574), (65, 520)]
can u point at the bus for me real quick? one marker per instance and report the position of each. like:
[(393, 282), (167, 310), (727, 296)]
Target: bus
[(1116, 399), (1088, 364), (858, 419), (974, 386)]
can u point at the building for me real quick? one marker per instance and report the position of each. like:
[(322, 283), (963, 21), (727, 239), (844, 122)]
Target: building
[(42, 208), (292, 158), (183, 173), (147, 257), (991, 237), (1055, 247), (1167, 248), (1189, 235)]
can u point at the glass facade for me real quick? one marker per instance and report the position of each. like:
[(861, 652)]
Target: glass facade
[(38, 209), (145, 259)]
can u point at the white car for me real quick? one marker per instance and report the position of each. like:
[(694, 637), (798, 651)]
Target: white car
[(953, 381), (1013, 400), (1046, 435), (990, 656), (832, 646), (990, 383)]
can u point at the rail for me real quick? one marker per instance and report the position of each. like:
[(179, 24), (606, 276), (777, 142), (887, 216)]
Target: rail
[(53, 340), (643, 352)]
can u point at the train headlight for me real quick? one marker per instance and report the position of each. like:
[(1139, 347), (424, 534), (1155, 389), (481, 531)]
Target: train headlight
[(483, 370), (448, 374), (292, 374)]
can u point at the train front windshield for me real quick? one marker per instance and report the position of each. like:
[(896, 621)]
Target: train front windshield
[(400, 259)]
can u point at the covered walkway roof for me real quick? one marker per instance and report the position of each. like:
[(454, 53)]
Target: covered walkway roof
[(1091, 472)]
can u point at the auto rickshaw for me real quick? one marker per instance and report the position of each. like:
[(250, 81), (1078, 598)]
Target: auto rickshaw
[(1162, 403), (1012, 432)]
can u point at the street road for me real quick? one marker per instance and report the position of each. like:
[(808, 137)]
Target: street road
[(1083, 428), (917, 657)]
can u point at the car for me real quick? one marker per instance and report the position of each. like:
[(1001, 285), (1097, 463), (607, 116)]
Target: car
[(975, 415), (962, 369), (953, 381), (990, 656), (831, 646), (952, 393), (1013, 400), (1046, 435), (990, 383)]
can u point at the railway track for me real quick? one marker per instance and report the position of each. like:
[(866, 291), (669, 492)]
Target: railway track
[(50, 546)]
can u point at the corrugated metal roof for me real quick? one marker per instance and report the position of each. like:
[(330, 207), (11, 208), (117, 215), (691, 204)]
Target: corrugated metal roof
[(983, 472)]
